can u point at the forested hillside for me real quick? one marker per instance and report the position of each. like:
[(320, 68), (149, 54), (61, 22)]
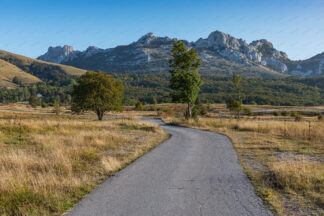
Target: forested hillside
[(144, 87), (288, 91)]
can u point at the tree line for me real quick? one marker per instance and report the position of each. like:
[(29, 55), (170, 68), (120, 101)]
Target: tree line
[(183, 84)]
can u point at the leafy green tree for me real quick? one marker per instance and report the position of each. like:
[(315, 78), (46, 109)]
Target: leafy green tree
[(235, 104), (185, 80), (97, 92)]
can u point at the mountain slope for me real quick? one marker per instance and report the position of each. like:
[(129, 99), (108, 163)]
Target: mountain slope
[(28, 70), (313, 66), (221, 54), (9, 71)]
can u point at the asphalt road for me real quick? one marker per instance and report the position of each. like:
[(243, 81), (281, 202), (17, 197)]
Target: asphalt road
[(193, 173)]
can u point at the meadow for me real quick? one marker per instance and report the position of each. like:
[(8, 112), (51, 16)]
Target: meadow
[(49, 162), (282, 154)]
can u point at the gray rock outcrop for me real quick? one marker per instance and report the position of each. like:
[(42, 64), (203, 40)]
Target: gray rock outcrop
[(220, 53)]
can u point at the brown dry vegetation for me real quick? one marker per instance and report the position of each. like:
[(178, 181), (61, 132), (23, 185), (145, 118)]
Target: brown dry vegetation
[(283, 158), (48, 162)]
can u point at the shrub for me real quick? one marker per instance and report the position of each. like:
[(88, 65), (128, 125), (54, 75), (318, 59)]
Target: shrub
[(57, 109), (186, 114), (154, 104), (139, 106), (276, 113), (298, 117), (247, 111), (169, 112), (293, 114), (320, 117), (208, 107), (33, 101), (195, 114), (284, 113), (203, 110), (17, 81), (44, 105)]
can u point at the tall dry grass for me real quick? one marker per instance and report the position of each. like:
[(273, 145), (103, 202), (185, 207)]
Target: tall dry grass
[(284, 159), (47, 163)]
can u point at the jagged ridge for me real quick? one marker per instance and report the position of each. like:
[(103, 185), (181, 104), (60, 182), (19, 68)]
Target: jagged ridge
[(221, 54)]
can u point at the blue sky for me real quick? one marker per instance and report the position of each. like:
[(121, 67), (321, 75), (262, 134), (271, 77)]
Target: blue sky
[(29, 27)]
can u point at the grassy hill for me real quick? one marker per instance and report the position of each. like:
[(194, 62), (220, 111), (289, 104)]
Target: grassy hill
[(9, 71), (28, 70)]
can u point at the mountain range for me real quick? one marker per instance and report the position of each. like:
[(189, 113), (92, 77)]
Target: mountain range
[(221, 54)]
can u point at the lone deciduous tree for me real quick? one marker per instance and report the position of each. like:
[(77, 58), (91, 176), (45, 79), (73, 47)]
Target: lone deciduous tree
[(185, 80), (97, 92)]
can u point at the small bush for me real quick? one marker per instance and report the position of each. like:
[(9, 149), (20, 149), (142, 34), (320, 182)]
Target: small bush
[(293, 114), (186, 114), (139, 106), (284, 113), (57, 109), (276, 113), (90, 156), (208, 107), (33, 101), (298, 117), (247, 111), (44, 105), (17, 81), (169, 112), (195, 114), (203, 110), (320, 117), (236, 127), (155, 104)]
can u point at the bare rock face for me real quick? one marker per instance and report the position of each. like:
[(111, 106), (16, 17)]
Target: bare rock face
[(57, 54), (220, 53), (92, 50), (151, 40), (261, 51)]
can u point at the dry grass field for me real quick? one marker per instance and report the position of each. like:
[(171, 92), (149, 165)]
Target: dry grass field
[(49, 162), (283, 157)]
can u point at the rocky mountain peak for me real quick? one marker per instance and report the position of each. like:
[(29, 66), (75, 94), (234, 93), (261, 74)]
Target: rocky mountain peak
[(57, 54), (267, 49), (151, 39), (92, 50), (261, 42), (218, 40), (147, 38), (218, 52)]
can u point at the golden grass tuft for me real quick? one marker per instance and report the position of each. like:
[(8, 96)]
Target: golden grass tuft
[(48, 162)]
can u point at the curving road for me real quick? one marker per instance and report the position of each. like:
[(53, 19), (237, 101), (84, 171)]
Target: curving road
[(193, 173)]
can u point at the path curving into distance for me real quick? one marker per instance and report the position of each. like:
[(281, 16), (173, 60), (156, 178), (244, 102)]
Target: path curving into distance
[(193, 173)]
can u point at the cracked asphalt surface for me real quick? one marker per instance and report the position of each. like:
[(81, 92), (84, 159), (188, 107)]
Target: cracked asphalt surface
[(193, 173)]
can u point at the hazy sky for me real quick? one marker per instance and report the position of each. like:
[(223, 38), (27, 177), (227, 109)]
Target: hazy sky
[(29, 27)]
